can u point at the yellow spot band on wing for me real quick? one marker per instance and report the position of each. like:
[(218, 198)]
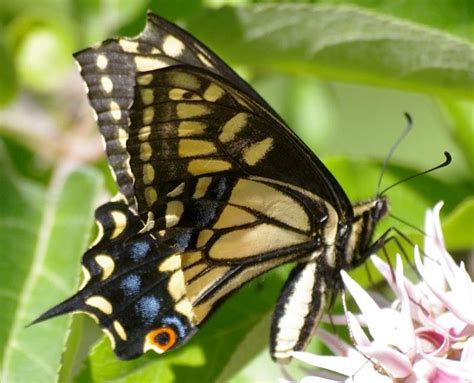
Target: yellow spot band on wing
[(176, 285), (106, 263), (147, 96), (151, 195), (102, 62), (197, 167), (191, 128), (185, 308), (193, 148), (174, 210), (177, 94), (144, 133), (172, 46), (120, 222), (100, 303), (171, 263), (145, 151), (148, 115), (145, 79), (257, 151), (201, 187), (189, 110), (233, 126), (145, 64), (107, 84), (129, 46), (120, 330), (115, 110), (213, 92), (148, 174)]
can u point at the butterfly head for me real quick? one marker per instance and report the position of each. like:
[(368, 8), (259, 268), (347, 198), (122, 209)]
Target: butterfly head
[(367, 214)]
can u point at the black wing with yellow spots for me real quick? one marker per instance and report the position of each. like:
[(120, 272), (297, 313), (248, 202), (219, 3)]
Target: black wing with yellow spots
[(111, 70), (133, 287), (216, 191)]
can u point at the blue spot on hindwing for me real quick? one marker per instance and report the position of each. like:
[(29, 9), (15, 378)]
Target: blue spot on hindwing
[(220, 188), (177, 324), (131, 284), (148, 309), (205, 212), (139, 250), (182, 240)]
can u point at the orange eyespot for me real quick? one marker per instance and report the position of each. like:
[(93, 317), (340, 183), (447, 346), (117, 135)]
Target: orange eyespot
[(162, 338)]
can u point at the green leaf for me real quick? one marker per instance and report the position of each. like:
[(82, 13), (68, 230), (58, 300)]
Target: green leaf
[(42, 230), (7, 75), (459, 226), (102, 19), (44, 57), (454, 16), (461, 114), (342, 43)]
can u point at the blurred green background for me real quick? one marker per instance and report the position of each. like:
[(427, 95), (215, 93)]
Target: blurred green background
[(341, 73)]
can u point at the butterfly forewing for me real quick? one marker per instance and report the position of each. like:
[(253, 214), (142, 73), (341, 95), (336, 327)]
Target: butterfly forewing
[(109, 71), (186, 122)]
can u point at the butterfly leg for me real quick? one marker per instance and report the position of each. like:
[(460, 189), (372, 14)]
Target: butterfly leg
[(385, 238)]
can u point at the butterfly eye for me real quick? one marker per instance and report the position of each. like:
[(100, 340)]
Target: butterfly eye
[(162, 338)]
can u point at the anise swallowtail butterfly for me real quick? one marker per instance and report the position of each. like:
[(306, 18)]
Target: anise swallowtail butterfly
[(215, 190)]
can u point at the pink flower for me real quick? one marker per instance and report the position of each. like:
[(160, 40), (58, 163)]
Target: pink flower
[(426, 335)]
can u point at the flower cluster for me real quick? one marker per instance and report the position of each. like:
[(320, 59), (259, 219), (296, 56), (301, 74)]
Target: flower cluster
[(426, 335)]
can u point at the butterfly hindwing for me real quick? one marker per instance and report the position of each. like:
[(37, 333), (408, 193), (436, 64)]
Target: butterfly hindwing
[(230, 229), (133, 287)]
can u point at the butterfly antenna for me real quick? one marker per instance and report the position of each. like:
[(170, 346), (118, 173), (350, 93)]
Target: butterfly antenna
[(393, 148), (445, 163)]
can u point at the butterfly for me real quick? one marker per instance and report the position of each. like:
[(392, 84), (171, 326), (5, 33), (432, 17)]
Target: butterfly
[(214, 190)]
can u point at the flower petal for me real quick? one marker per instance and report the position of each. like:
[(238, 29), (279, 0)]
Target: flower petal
[(432, 342), (394, 362), (407, 340), (467, 355), (412, 290), (461, 369), (454, 301), (339, 364), (360, 338), (371, 312), (316, 379), (334, 343)]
